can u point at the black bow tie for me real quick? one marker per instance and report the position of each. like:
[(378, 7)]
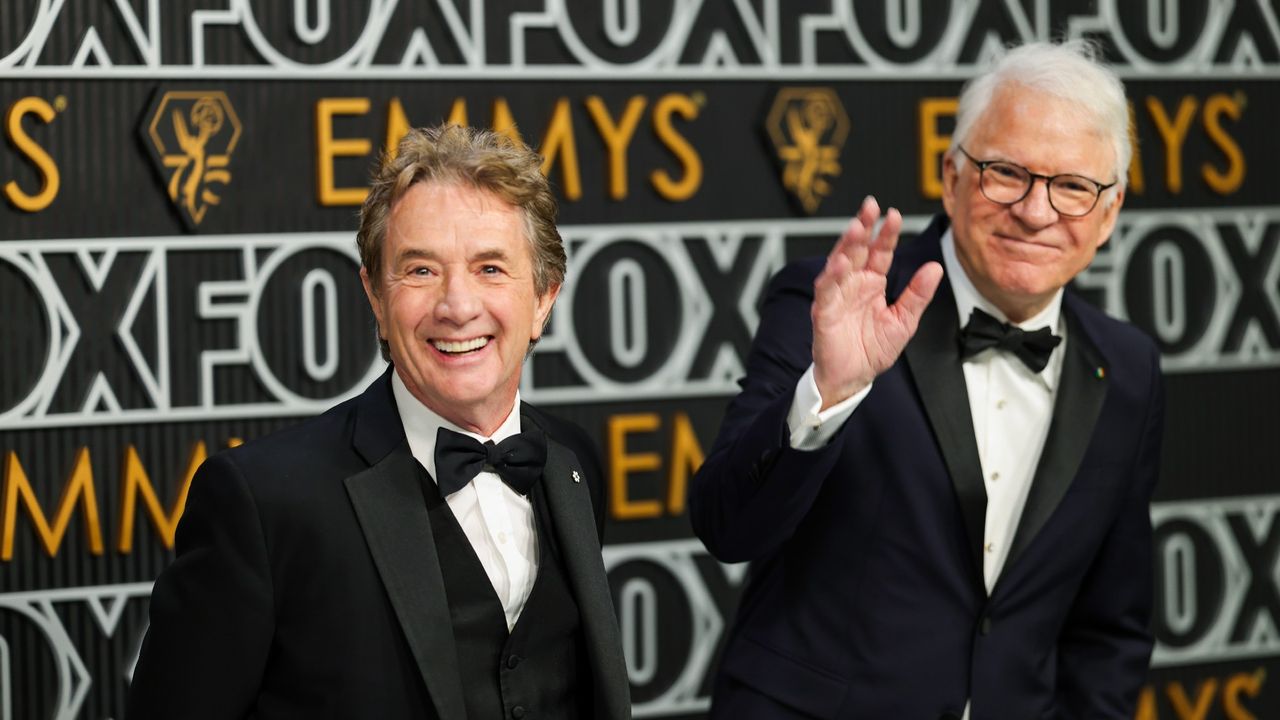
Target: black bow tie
[(518, 460), (983, 331)]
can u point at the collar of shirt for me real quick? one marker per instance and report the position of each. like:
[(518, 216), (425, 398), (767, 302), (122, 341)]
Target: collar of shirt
[(968, 298), (421, 423)]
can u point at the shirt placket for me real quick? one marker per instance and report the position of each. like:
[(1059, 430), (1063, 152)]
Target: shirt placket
[(989, 431), (1002, 440), (501, 530)]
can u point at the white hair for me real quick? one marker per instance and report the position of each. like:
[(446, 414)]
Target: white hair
[(1070, 70)]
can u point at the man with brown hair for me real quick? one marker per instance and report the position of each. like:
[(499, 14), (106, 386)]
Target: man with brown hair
[(430, 548)]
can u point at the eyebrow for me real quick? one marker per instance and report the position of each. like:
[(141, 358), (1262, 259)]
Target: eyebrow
[(413, 253), (1003, 158), (493, 254)]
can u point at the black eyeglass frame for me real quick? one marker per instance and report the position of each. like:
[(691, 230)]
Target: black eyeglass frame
[(982, 166)]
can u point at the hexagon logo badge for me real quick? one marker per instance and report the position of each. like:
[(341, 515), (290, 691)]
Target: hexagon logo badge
[(192, 134), (808, 127)]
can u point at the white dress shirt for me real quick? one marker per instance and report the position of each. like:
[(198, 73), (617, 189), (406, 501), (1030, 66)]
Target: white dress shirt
[(1011, 408), (497, 520)]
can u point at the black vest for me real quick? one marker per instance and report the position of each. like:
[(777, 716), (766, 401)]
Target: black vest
[(540, 668)]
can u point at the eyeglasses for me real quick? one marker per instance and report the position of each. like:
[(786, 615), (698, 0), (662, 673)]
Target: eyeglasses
[(1006, 183)]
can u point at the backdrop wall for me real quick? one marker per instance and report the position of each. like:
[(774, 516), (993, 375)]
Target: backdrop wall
[(177, 272)]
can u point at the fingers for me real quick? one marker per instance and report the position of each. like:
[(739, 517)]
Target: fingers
[(859, 248), (855, 242), (850, 252), (858, 232), (869, 212), (880, 256), (913, 301), (827, 287)]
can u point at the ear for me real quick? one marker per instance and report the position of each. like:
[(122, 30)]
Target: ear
[(1111, 213), (950, 176), (542, 310), (372, 295)]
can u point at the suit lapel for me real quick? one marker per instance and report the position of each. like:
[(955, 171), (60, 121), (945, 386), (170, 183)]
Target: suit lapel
[(934, 358), (573, 521), (393, 515), (1081, 391)]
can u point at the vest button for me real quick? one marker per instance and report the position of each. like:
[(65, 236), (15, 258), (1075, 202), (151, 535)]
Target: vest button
[(513, 661), (517, 712)]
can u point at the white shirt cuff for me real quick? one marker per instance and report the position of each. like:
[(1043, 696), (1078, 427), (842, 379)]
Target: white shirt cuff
[(811, 429)]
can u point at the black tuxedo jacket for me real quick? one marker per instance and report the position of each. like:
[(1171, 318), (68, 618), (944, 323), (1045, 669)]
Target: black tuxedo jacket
[(865, 597), (307, 585)]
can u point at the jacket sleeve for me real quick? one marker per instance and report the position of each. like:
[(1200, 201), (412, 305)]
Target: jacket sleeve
[(753, 490), (1105, 645), (211, 609)]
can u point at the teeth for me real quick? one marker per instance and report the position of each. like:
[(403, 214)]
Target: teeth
[(460, 346)]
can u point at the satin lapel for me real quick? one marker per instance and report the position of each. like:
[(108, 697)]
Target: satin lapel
[(569, 501), (934, 358), (1081, 392), (388, 502)]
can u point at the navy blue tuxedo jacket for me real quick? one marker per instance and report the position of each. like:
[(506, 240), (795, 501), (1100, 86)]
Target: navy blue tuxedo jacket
[(865, 597), (307, 582)]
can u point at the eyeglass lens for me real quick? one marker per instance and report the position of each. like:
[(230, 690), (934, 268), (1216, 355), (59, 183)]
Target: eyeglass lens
[(1068, 194)]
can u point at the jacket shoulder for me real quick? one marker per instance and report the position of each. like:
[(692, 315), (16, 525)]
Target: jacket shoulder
[(309, 441), (1118, 340), (563, 431)]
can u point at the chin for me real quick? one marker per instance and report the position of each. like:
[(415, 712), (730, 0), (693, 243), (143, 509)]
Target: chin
[(465, 395), (1025, 278)]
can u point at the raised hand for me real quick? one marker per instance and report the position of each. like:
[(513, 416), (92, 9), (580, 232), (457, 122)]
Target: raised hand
[(856, 333)]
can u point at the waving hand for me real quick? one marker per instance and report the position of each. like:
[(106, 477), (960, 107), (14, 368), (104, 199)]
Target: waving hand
[(856, 333)]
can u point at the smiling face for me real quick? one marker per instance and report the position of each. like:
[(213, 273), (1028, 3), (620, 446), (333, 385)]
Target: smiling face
[(456, 301), (1019, 255)]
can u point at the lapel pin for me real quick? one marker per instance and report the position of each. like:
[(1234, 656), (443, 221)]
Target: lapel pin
[(1100, 373), (576, 478)]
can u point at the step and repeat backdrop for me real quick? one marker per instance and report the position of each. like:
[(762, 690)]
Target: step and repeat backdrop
[(180, 181)]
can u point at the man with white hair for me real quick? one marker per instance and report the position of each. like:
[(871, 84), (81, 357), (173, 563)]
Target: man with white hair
[(941, 462)]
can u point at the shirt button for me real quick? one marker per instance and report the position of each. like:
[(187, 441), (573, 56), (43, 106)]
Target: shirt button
[(989, 547), (502, 538), (995, 476), (513, 661), (999, 404), (517, 712)]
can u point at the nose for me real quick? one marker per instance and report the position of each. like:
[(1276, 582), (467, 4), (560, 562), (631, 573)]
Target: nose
[(459, 301), (1034, 210)]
